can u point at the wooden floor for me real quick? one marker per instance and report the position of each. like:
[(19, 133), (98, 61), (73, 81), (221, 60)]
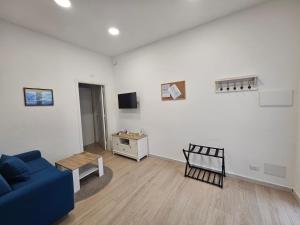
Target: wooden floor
[(94, 148), (155, 192)]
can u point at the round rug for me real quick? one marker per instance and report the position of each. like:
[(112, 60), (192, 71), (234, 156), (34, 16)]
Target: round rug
[(92, 184)]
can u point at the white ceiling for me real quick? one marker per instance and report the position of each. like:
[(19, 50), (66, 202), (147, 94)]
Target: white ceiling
[(140, 21)]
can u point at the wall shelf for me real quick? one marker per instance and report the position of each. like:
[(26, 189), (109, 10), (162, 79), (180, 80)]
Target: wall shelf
[(236, 84)]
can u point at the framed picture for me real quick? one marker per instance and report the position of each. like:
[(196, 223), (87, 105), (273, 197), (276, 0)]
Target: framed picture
[(38, 97)]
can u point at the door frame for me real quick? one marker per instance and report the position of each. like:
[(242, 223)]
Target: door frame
[(79, 121)]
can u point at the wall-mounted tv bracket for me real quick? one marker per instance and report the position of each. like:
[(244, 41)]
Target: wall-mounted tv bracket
[(206, 175)]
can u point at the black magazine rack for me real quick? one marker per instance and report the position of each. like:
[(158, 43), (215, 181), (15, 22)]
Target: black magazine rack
[(206, 175)]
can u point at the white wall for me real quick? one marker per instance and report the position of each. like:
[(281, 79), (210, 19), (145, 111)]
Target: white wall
[(87, 115), (264, 41), (29, 59), (297, 165)]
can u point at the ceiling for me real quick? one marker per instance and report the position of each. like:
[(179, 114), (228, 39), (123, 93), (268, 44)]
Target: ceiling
[(140, 21)]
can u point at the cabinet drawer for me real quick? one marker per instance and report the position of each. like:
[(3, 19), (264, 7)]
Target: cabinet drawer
[(115, 143), (124, 148), (127, 149), (133, 146)]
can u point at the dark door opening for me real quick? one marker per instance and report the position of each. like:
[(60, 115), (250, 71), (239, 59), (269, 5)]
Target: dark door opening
[(93, 117)]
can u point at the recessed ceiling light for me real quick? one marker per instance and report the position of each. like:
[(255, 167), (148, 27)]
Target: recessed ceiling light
[(113, 31), (63, 3)]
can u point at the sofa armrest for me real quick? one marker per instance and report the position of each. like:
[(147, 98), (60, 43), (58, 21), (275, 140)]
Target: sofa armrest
[(29, 156), (42, 202)]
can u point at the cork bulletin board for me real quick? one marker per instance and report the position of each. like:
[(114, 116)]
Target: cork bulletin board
[(173, 91)]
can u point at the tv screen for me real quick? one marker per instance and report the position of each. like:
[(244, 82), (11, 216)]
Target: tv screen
[(127, 101)]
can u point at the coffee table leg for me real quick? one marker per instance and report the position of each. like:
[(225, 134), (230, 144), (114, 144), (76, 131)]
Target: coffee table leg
[(100, 167), (76, 180)]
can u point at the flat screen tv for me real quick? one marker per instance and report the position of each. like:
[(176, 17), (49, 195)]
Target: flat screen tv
[(127, 101)]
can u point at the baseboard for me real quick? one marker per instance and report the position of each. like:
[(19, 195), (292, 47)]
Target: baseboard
[(297, 196), (168, 159), (260, 182), (237, 176)]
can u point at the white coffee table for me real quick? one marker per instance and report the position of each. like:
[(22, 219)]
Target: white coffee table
[(81, 165)]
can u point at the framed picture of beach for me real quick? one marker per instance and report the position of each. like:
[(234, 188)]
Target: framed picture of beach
[(38, 97)]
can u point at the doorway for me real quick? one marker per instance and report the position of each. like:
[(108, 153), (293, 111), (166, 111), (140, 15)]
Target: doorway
[(93, 117)]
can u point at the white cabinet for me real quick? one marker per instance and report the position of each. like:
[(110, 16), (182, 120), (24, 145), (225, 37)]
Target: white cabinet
[(132, 147)]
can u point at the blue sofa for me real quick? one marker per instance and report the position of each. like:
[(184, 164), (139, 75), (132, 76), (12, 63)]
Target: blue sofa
[(42, 199)]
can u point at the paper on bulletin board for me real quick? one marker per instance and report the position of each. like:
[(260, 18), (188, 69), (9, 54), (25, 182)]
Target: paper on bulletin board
[(165, 91), (174, 91)]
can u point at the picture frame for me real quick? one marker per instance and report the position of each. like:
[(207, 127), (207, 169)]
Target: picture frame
[(38, 97)]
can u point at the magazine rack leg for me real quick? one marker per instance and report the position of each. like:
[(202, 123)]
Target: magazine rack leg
[(187, 157), (223, 166)]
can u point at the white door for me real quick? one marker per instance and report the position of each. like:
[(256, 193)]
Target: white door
[(99, 116), (103, 117)]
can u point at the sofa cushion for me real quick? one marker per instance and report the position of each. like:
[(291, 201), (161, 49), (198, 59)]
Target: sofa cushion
[(38, 165), (4, 186), (14, 169), (29, 156), (38, 176)]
